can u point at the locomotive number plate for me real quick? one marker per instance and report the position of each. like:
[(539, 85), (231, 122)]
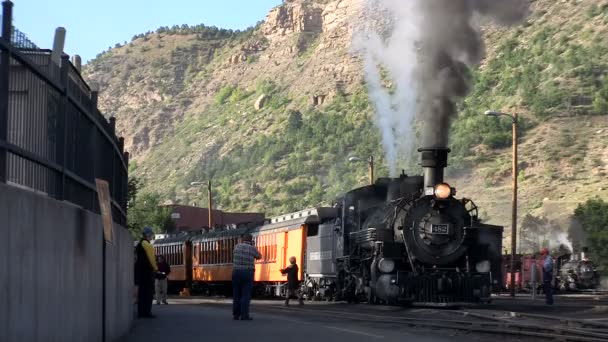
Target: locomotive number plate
[(440, 229)]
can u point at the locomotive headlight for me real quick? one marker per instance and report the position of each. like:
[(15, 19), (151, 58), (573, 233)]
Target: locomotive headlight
[(443, 191), (386, 265), (483, 266)]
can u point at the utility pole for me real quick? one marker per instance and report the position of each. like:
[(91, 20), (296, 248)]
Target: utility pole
[(513, 198), (209, 204), (514, 207), (371, 170)]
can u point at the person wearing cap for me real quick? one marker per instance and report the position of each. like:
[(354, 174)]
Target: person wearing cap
[(547, 275), (145, 270), (243, 269)]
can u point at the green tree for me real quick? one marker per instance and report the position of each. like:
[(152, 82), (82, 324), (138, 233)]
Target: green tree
[(145, 210), (592, 218)]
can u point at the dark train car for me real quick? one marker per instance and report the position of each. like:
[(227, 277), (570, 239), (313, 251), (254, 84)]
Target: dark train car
[(570, 273)]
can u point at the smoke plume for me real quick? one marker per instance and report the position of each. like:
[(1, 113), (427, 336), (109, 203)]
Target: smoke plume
[(451, 42), (426, 48)]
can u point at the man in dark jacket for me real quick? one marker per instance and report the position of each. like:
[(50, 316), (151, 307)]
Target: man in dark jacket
[(145, 269), (293, 284), (161, 280)]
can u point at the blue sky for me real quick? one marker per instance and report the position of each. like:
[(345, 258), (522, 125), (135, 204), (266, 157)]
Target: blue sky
[(93, 26)]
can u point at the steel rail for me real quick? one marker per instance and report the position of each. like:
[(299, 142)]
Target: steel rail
[(493, 327)]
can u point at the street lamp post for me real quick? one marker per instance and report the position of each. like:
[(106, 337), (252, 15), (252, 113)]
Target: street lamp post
[(514, 196), (209, 201), (370, 162)]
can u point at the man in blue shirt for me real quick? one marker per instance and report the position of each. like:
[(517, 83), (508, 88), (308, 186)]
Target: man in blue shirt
[(243, 263), (547, 275)]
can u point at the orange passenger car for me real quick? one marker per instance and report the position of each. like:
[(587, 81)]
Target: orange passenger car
[(205, 260)]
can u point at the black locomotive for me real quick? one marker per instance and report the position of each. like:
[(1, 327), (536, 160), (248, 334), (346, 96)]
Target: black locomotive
[(576, 273), (405, 240)]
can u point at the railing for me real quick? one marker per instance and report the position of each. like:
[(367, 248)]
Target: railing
[(53, 139)]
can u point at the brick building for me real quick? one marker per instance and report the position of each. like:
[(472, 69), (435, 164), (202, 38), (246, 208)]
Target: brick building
[(188, 218)]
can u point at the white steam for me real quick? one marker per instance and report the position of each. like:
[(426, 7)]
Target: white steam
[(560, 239), (389, 61)]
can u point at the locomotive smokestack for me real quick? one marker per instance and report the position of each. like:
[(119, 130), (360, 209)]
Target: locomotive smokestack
[(433, 161)]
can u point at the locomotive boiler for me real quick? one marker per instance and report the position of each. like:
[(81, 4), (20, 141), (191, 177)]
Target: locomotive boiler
[(406, 240)]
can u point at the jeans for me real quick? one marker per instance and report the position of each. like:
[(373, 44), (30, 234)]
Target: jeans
[(145, 295), (242, 284), (161, 290), (548, 291)]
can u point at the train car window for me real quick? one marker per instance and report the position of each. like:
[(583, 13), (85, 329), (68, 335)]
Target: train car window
[(312, 230), (202, 251), (225, 254), (226, 250), (204, 248), (263, 248), (180, 254), (205, 252), (220, 251), (212, 252), (232, 249), (206, 255), (224, 241), (216, 252), (266, 248), (274, 247)]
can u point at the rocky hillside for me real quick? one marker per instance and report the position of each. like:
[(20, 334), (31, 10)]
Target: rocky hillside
[(272, 113)]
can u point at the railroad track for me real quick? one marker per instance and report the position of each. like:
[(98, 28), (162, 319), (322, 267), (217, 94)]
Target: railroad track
[(566, 330)]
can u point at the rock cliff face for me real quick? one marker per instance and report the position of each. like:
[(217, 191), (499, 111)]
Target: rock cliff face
[(294, 17), (150, 83)]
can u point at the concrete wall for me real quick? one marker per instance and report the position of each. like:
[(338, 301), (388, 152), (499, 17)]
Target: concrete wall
[(51, 272)]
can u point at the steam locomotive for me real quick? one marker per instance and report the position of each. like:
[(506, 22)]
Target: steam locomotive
[(406, 240), (400, 240), (577, 275)]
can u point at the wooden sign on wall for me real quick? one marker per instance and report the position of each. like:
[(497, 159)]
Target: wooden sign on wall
[(105, 204)]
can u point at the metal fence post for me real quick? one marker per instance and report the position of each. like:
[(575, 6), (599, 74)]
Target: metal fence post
[(61, 128), (5, 58)]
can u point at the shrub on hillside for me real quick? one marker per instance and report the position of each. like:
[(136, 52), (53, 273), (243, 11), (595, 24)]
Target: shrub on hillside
[(591, 229), (224, 93)]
